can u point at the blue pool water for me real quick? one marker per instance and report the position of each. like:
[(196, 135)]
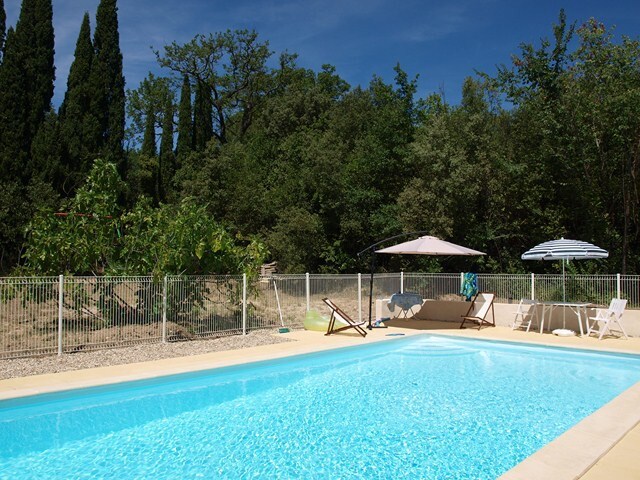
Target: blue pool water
[(423, 407)]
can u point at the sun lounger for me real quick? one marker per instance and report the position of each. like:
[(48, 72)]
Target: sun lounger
[(479, 309), (337, 313)]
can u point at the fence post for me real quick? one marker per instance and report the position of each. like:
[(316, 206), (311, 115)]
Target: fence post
[(618, 285), (244, 304), (308, 290), (359, 297), (164, 310), (533, 286), (401, 281), (60, 300)]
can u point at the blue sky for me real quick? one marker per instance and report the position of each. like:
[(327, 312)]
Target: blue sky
[(442, 41)]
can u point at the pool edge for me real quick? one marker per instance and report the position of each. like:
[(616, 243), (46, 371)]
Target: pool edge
[(575, 452)]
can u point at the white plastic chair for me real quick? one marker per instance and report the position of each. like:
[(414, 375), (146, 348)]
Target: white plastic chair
[(525, 315), (601, 323)]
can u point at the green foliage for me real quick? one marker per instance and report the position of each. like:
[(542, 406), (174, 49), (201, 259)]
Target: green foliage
[(297, 240), (95, 237), (182, 239), (82, 240), (318, 169)]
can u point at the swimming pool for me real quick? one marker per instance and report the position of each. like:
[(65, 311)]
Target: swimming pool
[(419, 407)]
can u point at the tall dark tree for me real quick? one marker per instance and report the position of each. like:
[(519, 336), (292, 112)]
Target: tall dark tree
[(149, 137), (26, 83), (185, 122), (79, 127), (166, 156), (14, 146), (40, 70), (107, 82), (202, 120), (3, 28)]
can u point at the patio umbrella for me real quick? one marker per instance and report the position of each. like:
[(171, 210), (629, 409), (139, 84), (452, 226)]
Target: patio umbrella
[(564, 249), (425, 245), (428, 245)]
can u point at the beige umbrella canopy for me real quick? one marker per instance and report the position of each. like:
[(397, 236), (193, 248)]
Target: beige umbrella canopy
[(428, 245), (425, 245)]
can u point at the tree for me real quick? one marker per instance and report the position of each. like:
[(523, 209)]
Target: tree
[(297, 240), (576, 131), (603, 121), (230, 70), (82, 239), (202, 121), (185, 122), (79, 127), (26, 82), (148, 107), (40, 69), (3, 28), (94, 236), (15, 143), (167, 160), (149, 138), (107, 83)]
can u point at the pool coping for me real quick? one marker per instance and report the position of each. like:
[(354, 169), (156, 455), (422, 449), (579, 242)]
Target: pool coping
[(569, 456)]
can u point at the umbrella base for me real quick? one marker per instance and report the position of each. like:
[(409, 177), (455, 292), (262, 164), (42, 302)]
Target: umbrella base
[(563, 332)]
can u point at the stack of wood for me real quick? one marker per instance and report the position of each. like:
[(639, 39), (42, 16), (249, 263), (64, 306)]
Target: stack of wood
[(268, 269)]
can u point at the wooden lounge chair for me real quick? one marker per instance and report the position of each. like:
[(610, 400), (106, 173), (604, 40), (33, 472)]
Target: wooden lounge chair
[(601, 323), (479, 309), (336, 313)]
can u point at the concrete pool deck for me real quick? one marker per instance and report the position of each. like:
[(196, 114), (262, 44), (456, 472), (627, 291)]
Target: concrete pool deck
[(602, 446)]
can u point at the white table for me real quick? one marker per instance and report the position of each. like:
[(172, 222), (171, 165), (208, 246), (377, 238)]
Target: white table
[(578, 308)]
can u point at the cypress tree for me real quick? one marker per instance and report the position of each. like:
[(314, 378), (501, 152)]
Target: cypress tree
[(79, 128), (3, 28), (107, 82), (40, 66), (26, 83), (46, 154), (149, 136), (167, 157), (185, 122), (202, 117), (13, 111)]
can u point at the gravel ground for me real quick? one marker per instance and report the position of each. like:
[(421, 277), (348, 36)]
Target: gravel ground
[(22, 367)]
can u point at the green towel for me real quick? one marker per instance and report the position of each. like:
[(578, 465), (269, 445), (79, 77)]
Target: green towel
[(469, 285)]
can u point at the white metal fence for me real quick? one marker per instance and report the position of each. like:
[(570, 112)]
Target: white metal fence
[(48, 315)]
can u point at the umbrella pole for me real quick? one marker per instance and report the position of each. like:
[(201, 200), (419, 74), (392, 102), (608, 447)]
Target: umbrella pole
[(564, 296), (373, 268)]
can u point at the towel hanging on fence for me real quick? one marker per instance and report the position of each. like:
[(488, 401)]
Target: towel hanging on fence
[(469, 285)]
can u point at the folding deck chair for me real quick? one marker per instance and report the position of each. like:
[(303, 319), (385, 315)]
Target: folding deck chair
[(336, 313), (526, 315), (601, 323), (479, 309)]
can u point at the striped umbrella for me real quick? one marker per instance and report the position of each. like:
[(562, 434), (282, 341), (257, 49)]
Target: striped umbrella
[(564, 249)]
